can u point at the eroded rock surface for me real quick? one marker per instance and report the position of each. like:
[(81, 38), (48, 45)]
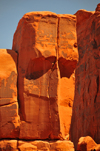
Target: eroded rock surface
[(86, 107), (9, 118), (87, 144), (46, 44), (67, 60), (17, 145)]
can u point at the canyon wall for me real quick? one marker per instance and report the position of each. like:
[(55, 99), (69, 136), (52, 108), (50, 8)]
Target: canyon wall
[(86, 107)]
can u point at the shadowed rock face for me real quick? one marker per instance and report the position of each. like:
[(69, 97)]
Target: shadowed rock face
[(87, 143), (47, 57), (86, 108)]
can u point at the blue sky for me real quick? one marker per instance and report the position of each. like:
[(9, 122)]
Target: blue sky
[(11, 11)]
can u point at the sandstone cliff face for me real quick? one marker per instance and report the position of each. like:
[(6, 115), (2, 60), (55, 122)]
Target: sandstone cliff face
[(47, 57), (9, 118), (86, 107)]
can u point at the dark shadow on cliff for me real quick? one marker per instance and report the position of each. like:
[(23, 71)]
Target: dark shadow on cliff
[(66, 67), (39, 66)]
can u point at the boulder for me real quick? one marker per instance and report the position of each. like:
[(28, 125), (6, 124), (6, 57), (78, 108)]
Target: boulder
[(62, 145), (8, 145), (26, 146), (46, 145), (41, 145), (9, 118), (86, 144)]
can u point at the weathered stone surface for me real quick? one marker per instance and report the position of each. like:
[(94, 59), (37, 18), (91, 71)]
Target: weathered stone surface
[(67, 60), (66, 97), (42, 145), (67, 45), (62, 145), (86, 107), (18, 145), (37, 72), (86, 144), (9, 119), (8, 76), (39, 40), (46, 145), (26, 146), (8, 145)]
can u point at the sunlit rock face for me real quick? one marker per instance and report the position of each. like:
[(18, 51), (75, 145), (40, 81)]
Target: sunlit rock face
[(16, 145), (47, 57), (9, 118), (86, 107)]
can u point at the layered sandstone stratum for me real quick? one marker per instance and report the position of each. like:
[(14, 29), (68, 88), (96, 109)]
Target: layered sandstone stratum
[(38, 110)]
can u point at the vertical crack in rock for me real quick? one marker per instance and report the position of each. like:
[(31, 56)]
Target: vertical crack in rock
[(97, 82), (94, 44), (57, 50), (18, 84), (89, 86)]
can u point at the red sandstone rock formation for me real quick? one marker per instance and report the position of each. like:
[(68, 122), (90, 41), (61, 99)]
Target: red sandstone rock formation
[(47, 57), (9, 118), (86, 108)]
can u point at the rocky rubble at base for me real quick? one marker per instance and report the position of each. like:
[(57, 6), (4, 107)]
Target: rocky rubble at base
[(38, 145), (87, 144)]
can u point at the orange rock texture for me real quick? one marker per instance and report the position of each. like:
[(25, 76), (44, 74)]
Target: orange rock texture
[(87, 144), (9, 118), (37, 80), (18, 145), (47, 57), (86, 107)]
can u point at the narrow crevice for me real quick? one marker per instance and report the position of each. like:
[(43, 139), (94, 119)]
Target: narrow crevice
[(55, 66), (57, 50), (27, 140), (89, 86), (7, 104), (17, 146), (97, 81), (94, 43), (6, 123), (49, 99), (17, 83), (50, 115)]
